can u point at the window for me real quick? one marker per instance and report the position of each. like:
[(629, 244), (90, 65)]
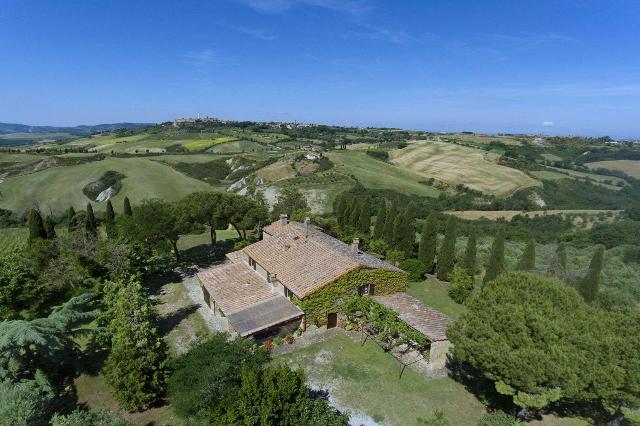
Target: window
[(366, 289), (288, 293)]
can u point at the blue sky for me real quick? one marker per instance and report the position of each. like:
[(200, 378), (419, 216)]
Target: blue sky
[(565, 67)]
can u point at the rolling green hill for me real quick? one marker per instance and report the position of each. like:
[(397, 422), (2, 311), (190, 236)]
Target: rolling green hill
[(57, 188)]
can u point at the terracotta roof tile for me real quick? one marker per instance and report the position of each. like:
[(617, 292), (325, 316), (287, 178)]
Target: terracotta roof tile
[(235, 286), (419, 316), (305, 258)]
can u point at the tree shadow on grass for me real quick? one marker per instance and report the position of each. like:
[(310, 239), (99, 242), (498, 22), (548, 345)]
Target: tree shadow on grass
[(170, 321)]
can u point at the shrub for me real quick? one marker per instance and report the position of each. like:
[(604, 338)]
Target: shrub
[(91, 417), (378, 246), (378, 154), (460, 285), (499, 418), (277, 340), (395, 256), (415, 268), (211, 369)]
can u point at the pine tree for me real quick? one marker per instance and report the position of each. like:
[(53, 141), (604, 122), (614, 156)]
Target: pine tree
[(49, 228), (496, 259), (127, 207), (90, 224), (528, 260), (469, 262), (429, 242), (591, 282), (36, 226), (364, 219), (561, 252), (71, 214), (446, 255), (109, 218), (381, 217), (389, 224)]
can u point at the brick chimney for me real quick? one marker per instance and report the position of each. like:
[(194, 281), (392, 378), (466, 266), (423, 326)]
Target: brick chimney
[(284, 219), (307, 223), (355, 245)]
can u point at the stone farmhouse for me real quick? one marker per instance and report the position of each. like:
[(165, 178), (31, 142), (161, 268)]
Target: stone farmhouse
[(296, 275)]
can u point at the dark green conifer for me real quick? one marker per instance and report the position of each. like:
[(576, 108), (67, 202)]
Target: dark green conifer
[(36, 225), (428, 242), (109, 218), (381, 217), (127, 207), (469, 262), (49, 228), (364, 219), (340, 211), (390, 223), (406, 233), (71, 214), (496, 259), (446, 255), (90, 223), (591, 282), (561, 252), (354, 213), (528, 260)]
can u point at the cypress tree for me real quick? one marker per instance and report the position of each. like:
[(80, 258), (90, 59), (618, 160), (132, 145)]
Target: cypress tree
[(389, 223), (446, 256), (354, 213), (429, 242), (591, 283), (469, 262), (109, 217), (340, 211), (561, 252), (127, 207), (90, 224), (406, 234), (36, 225), (364, 219), (49, 228), (528, 260), (378, 228), (496, 259), (71, 214)]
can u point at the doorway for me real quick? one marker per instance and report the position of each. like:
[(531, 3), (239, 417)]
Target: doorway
[(332, 320)]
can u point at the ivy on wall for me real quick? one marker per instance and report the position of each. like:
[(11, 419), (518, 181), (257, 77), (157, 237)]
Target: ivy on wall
[(318, 304)]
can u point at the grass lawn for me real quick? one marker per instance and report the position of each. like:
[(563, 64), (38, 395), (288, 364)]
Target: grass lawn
[(57, 188), (93, 391), (193, 240), (434, 293), (459, 164), (364, 380), (377, 174)]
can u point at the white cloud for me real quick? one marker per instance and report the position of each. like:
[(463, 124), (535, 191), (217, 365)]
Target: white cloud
[(547, 123), (258, 33), (355, 7)]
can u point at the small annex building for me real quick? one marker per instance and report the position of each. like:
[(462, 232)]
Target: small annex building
[(295, 275)]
